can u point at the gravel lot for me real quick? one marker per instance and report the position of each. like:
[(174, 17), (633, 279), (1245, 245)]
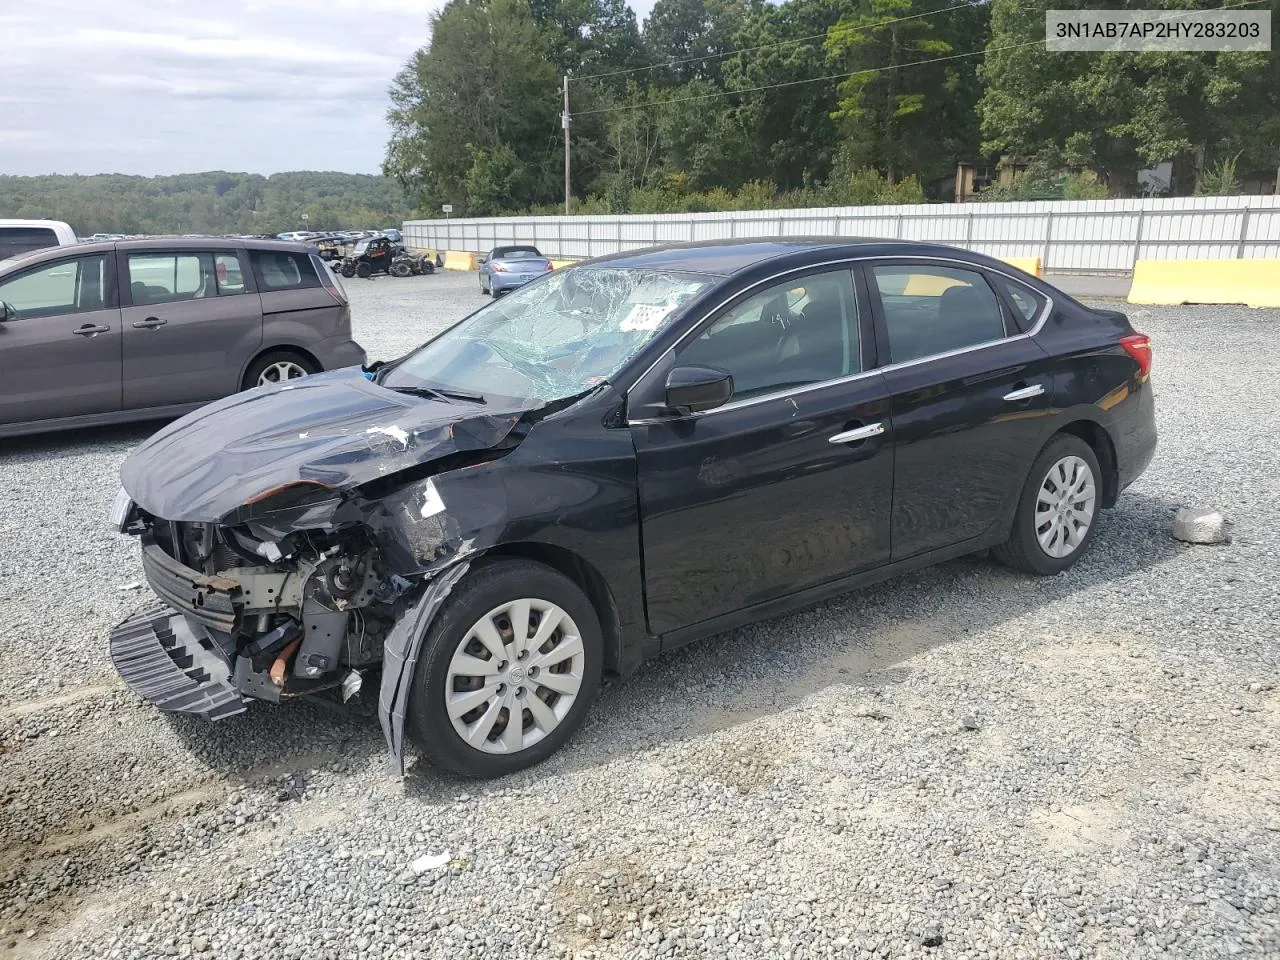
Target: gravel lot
[(959, 763)]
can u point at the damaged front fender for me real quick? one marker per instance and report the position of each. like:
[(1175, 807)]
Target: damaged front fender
[(400, 658)]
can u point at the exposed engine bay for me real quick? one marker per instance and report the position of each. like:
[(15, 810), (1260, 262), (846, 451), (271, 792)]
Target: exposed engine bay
[(286, 559), (289, 616)]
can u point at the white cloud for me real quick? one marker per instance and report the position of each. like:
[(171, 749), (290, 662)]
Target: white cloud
[(153, 86), (146, 86)]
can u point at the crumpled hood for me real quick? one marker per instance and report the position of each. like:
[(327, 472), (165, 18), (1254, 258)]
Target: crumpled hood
[(337, 428)]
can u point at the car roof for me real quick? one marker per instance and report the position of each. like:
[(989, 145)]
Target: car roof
[(724, 257), (728, 257), (150, 243)]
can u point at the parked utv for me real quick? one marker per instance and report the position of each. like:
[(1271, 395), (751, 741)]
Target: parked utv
[(382, 255)]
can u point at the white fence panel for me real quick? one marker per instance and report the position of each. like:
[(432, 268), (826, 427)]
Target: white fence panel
[(1069, 236)]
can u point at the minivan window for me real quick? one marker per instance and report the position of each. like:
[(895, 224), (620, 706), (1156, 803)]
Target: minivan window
[(932, 309), (17, 240), (282, 270), (68, 286), (227, 272), (166, 277)]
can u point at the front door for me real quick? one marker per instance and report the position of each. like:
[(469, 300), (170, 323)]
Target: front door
[(788, 484), (190, 324), (60, 351), (971, 396)]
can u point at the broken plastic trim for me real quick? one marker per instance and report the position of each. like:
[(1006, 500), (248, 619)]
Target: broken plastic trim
[(400, 659)]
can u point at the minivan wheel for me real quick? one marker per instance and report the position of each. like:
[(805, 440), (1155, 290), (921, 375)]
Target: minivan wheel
[(277, 367), (1058, 511), (507, 672)]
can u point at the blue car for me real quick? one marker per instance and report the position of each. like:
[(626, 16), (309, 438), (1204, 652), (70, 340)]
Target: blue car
[(505, 268)]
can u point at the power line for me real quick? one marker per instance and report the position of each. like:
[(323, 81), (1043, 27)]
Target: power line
[(778, 43), (793, 83)]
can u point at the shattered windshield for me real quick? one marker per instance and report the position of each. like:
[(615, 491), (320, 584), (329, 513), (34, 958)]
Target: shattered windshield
[(551, 339)]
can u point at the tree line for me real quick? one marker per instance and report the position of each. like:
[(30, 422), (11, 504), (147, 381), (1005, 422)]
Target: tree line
[(724, 104), (207, 203)]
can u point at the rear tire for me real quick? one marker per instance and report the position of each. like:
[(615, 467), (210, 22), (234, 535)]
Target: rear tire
[(364, 271), (277, 366), (401, 270), (1058, 510), (454, 663), (348, 270)]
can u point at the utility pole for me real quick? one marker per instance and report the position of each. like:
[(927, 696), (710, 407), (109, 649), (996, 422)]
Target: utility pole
[(566, 121)]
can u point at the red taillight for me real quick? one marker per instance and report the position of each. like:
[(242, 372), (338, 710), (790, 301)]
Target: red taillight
[(550, 266), (1138, 346)]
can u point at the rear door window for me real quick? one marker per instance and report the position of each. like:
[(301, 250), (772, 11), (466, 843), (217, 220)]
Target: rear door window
[(282, 270), (931, 309), (169, 277), (16, 240), (228, 275), (68, 286)]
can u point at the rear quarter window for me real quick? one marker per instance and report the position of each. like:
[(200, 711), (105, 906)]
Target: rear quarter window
[(282, 270)]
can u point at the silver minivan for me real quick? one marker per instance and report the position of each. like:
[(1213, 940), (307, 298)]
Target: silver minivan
[(148, 329)]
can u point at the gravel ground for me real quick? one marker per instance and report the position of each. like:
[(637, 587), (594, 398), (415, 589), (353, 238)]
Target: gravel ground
[(959, 763)]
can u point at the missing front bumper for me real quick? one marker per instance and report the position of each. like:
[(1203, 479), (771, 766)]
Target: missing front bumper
[(174, 663)]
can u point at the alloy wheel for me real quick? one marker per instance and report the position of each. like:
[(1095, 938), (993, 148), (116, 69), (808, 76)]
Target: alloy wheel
[(514, 676), (281, 371), (1065, 507)]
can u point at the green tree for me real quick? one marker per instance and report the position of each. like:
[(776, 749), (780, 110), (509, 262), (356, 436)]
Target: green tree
[(899, 111), (485, 81), (693, 36), (785, 135), (1119, 112)]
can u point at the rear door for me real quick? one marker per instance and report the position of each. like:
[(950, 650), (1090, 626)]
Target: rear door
[(788, 484), (60, 354), (191, 323), (971, 395)]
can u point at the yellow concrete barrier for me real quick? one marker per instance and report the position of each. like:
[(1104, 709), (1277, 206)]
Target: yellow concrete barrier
[(1030, 265), (1255, 283), (459, 260), (557, 264)]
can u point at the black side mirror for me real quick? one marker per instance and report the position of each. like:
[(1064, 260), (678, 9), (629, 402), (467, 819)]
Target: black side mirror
[(690, 389), (6, 312), (481, 259)]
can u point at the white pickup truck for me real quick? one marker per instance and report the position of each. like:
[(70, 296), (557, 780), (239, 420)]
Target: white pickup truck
[(23, 236)]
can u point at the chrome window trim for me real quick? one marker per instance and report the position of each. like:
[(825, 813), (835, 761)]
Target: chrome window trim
[(848, 261)]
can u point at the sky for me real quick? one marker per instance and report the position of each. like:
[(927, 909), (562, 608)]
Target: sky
[(175, 86)]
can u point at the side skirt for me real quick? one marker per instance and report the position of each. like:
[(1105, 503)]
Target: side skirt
[(824, 591)]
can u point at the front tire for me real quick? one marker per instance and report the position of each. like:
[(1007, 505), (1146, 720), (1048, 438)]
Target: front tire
[(1058, 510), (487, 701), (401, 270)]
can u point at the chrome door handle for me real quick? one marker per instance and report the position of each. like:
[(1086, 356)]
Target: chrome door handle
[(149, 323), (1026, 393), (90, 330), (858, 433)]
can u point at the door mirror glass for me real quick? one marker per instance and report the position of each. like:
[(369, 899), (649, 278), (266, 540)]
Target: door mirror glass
[(690, 389)]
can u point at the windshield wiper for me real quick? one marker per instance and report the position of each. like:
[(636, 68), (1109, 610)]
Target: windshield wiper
[(447, 394)]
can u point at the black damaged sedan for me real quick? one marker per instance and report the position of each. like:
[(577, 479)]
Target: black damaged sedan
[(610, 462)]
